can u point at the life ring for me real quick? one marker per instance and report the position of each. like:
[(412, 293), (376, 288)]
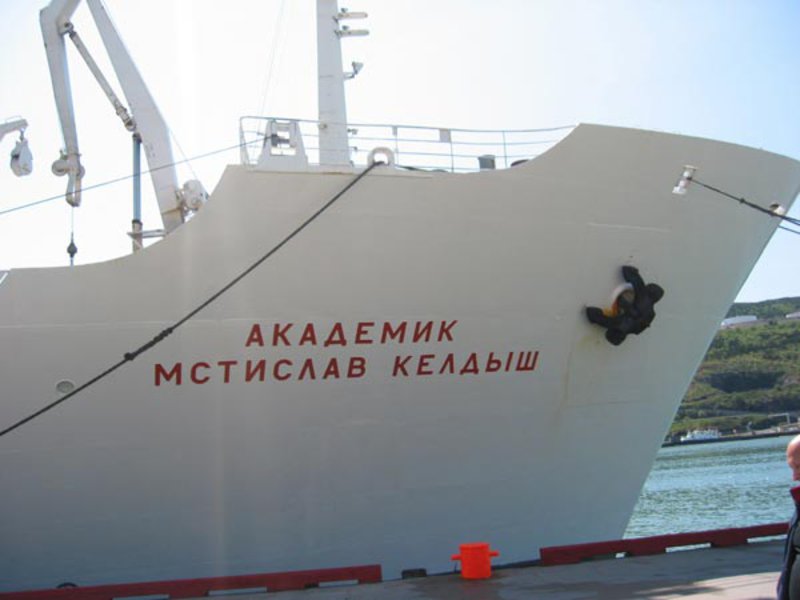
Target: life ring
[(388, 156)]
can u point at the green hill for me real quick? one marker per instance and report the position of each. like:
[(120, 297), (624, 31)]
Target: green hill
[(768, 309), (750, 376)]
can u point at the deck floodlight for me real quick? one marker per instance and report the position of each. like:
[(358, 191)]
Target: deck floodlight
[(683, 182)]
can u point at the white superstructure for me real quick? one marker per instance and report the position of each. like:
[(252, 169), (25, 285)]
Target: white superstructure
[(413, 370)]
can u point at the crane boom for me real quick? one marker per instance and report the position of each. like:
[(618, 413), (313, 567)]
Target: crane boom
[(53, 20), (145, 118)]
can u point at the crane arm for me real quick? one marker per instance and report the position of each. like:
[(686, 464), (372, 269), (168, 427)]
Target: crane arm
[(150, 125), (54, 21), (14, 125), (145, 118)]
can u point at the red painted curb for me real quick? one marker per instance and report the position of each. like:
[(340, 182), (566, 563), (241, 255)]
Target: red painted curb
[(564, 555), (192, 588)]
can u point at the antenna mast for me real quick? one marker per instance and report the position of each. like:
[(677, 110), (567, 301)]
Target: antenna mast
[(333, 144)]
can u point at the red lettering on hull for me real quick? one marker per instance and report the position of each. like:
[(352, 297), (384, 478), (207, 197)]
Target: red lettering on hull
[(338, 336), (470, 364), (360, 333), (284, 369)]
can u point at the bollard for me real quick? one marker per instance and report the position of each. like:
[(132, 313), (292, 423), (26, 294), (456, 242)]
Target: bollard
[(475, 560)]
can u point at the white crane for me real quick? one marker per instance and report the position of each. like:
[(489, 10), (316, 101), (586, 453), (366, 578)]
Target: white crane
[(142, 118)]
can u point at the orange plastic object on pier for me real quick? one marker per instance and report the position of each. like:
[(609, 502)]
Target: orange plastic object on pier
[(476, 560)]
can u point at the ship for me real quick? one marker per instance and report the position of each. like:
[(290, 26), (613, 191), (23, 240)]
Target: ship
[(701, 435), (344, 357)]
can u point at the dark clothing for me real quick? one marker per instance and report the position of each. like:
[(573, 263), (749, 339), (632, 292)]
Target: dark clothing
[(794, 580), (789, 582)]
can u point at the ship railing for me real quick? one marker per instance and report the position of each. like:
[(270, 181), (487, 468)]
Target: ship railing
[(415, 147)]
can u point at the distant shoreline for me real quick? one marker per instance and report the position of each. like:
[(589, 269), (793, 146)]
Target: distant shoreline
[(755, 435)]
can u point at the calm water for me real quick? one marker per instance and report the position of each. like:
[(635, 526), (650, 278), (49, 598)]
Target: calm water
[(710, 486)]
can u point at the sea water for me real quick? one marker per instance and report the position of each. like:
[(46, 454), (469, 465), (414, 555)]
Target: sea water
[(715, 485)]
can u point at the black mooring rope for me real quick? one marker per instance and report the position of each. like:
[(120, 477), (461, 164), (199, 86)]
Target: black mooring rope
[(752, 205), (130, 356)]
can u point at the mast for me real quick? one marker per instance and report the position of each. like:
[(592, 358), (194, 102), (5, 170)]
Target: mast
[(333, 145)]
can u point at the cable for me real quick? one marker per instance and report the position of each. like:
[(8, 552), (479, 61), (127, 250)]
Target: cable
[(130, 356), (125, 178), (174, 138), (276, 39), (749, 204), (794, 231)]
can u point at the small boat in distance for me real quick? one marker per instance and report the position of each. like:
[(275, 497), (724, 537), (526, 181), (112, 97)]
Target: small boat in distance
[(367, 345), (701, 435)]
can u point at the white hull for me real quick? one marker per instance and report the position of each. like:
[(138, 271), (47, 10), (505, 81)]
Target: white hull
[(131, 481)]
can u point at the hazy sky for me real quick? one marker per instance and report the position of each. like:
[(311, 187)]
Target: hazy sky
[(724, 69)]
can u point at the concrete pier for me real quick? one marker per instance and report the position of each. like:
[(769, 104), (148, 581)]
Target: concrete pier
[(743, 573), (747, 571)]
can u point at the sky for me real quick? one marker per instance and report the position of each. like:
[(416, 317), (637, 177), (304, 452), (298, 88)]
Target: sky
[(722, 69)]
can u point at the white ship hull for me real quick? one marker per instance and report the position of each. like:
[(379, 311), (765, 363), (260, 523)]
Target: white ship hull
[(429, 375)]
